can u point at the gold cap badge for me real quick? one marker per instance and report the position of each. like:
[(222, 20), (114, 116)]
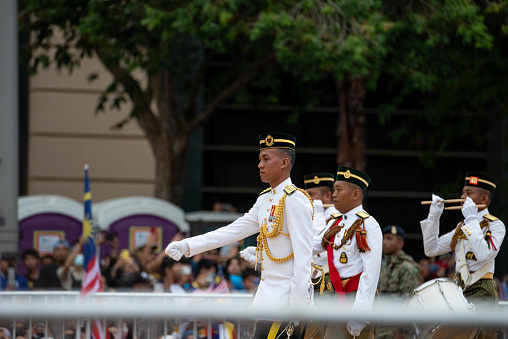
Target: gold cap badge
[(347, 174), (269, 140)]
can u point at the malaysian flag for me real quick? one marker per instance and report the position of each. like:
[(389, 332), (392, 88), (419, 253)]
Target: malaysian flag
[(91, 282)]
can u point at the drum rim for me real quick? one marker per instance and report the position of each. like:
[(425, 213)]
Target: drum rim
[(427, 284), (433, 281)]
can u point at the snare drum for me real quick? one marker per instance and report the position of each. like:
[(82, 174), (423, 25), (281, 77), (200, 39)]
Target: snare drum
[(441, 295)]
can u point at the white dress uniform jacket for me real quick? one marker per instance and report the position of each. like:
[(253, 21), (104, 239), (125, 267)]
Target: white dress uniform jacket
[(368, 262), (475, 241), (282, 284)]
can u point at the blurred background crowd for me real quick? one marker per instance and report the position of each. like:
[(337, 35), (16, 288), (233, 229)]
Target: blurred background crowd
[(146, 270), (220, 270)]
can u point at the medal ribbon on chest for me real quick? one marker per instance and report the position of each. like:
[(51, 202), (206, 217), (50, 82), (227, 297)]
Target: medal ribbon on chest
[(273, 213)]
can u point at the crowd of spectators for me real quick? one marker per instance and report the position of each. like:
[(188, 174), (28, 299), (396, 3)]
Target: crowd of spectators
[(122, 270), (142, 270)]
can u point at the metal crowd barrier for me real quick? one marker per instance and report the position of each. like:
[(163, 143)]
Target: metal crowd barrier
[(163, 315), (118, 306)]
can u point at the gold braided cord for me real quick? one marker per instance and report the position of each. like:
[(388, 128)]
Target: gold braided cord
[(308, 197), (460, 235), (321, 278), (348, 235), (351, 231), (330, 233), (262, 242)]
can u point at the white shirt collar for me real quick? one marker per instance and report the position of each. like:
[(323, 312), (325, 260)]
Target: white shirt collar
[(482, 213), (281, 186), (351, 213)]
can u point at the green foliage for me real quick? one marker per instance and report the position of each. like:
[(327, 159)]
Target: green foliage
[(437, 57), (316, 38)]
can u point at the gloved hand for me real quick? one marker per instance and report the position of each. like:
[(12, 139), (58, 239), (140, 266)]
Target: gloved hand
[(177, 249), (355, 327), (249, 254), (469, 211), (318, 206), (436, 208)]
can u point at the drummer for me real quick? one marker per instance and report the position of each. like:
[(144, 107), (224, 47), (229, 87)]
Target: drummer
[(476, 240)]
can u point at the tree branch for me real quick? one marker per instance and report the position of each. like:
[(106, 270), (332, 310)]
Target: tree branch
[(195, 85), (141, 110), (229, 91)]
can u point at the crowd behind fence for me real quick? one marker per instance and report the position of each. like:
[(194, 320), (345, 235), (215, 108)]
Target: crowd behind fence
[(66, 315)]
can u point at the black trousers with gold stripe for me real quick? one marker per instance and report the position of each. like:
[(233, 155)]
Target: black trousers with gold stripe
[(275, 329)]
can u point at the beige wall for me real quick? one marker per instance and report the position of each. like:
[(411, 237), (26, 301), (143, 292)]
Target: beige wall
[(65, 133)]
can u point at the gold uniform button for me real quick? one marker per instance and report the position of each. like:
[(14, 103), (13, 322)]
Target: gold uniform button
[(458, 260), (344, 248), (262, 268), (268, 210), (263, 279), (270, 199), (469, 247)]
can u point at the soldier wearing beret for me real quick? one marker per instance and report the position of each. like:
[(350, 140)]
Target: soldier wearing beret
[(398, 277), (353, 242), (282, 215), (476, 241)]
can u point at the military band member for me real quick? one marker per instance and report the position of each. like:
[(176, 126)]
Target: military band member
[(353, 241), (320, 189), (283, 216), (476, 240)]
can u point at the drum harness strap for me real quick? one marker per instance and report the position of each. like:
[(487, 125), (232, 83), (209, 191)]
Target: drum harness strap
[(464, 274)]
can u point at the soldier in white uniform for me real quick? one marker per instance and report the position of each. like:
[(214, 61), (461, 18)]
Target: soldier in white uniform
[(476, 241), (354, 242), (283, 217), (320, 188)]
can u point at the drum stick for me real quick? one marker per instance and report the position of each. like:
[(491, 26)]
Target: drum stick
[(446, 201), (460, 207)]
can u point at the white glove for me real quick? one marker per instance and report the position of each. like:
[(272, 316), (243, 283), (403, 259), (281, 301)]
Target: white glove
[(318, 206), (177, 249), (355, 327), (469, 211), (436, 208), (249, 254)]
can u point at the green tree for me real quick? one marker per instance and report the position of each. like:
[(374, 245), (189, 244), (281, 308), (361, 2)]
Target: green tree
[(172, 43), (427, 50), (448, 58), (439, 56)]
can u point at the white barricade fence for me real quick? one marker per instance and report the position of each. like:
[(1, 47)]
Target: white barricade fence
[(168, 315)]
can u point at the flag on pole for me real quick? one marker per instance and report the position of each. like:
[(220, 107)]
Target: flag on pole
[(91, 281), (91, 275)]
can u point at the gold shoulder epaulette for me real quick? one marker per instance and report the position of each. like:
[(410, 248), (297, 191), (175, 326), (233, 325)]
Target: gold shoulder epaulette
[(490, 217), (363, 215), (289, 189), (335, 215), (265, 191)]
